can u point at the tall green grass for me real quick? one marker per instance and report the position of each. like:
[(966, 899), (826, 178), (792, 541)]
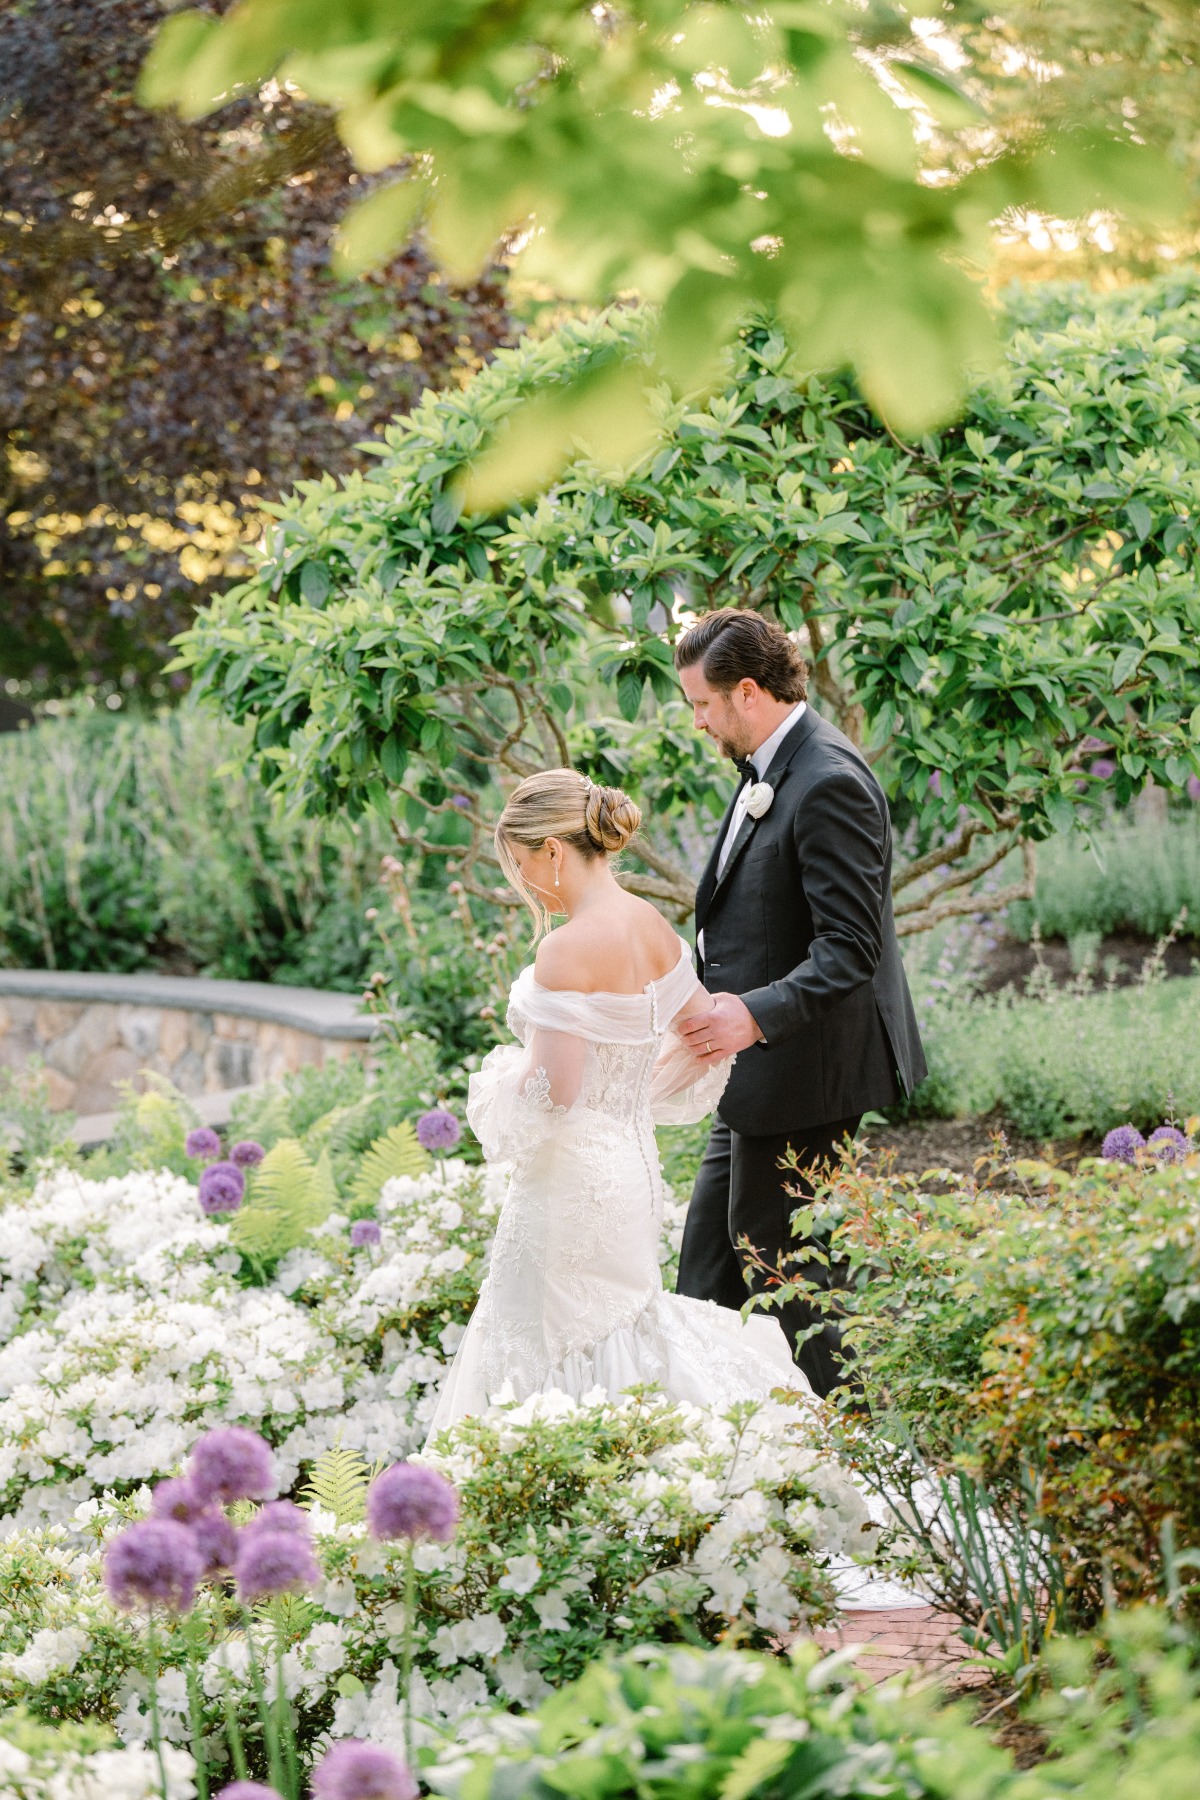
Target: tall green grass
[(122, 848), (1136, 875)]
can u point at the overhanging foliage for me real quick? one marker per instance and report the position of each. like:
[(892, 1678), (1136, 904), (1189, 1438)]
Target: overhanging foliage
[(987, 610)]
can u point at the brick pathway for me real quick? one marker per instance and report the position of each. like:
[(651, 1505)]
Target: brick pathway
[(912, 1639)]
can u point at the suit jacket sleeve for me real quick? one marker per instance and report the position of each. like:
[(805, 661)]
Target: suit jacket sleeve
[(840, 843)]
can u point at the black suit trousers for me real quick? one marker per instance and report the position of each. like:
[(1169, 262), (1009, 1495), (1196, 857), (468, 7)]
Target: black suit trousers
[(741, 1191)]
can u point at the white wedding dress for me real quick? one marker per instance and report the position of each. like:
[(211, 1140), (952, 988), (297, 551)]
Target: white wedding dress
[(573, 1298)]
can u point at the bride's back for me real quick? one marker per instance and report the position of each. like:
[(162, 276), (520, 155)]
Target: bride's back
[(617, 948)]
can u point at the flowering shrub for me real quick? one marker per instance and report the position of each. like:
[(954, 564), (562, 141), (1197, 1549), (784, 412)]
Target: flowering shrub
[(125, 1331), (131, 1326), (1046, 1342), (718, 1524)]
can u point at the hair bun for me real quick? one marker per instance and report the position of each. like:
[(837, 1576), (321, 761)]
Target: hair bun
[(612, 818)]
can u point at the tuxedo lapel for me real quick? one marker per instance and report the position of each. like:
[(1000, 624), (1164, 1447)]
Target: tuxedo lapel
[(781, 762), (708, 881)]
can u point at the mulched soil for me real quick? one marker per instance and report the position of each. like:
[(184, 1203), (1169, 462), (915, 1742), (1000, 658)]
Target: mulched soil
[(957, 1144), (1010, 963)]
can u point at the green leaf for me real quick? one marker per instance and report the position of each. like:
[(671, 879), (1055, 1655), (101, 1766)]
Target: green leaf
[(1124, 664), (395, 1154), (629, 693), (1140, 517), (338, 1484), (315, 583), (286, 1196), (1060, 812), (393, 758), (164, 77), (374, 230)]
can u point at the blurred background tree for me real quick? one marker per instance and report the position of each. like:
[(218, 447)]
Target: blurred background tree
[(176, 348)]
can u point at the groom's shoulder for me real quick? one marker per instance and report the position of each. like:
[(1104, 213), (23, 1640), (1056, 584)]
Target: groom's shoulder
[(830, 754)]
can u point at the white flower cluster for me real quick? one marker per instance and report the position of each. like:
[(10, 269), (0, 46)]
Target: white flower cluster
[(124, 1333), (55, 1772)]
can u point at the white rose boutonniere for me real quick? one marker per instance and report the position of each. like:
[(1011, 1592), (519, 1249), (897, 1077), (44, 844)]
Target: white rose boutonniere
[(759, 796)]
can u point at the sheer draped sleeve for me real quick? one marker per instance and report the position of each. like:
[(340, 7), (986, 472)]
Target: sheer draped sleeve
[(524, 1091), (682, 1090), (520, 1090)]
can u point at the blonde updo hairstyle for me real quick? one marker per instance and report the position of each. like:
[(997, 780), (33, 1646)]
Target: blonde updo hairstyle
[(562, 803)]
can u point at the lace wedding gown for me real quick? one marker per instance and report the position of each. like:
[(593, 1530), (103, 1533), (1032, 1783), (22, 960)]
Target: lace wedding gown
[(573, 1298)]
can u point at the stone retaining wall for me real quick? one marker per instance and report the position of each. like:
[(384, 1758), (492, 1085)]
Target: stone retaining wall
[(92, 1032)]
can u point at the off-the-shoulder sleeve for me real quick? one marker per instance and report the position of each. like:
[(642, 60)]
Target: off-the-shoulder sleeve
[(682, 1090)]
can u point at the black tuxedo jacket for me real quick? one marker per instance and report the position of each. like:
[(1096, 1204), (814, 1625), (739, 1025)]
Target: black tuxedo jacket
[(800, 925)]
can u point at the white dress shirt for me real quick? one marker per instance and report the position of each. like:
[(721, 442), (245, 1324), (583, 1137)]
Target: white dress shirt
[(762, 758)]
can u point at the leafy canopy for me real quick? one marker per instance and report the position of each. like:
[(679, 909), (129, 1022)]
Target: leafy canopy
[(708, 157), (988, 609)]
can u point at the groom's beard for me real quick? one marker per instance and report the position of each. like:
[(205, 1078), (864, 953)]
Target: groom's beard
[(735, 752)]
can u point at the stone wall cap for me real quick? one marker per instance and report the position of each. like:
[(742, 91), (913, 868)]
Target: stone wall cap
[(322, 1014)]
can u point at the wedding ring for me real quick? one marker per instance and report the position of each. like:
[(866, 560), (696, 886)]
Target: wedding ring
[(708, 1046)]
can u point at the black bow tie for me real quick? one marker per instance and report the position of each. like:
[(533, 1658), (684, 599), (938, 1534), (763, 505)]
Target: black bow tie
[(745, 768)]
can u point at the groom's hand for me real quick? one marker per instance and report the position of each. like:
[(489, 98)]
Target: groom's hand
[(729, 1026)]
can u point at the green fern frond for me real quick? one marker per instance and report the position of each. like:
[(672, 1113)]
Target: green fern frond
[(289, 1194), (291, 1615), (319, 1133), (396, 1153), (265, 1117), (338, 1484)]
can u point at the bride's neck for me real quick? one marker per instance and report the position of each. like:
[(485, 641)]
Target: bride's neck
[(590, 890)]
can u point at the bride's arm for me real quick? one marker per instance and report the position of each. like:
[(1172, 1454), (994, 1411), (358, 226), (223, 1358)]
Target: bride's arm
[(682, 1089), (513, 1096)]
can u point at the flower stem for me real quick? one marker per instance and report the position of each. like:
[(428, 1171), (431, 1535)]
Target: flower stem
[(196, 1719), (233, 1730), (406, 1652), (155, 1725), (266, 1713), (286, 1734)]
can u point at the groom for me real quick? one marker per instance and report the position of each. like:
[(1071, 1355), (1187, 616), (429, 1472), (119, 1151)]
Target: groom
[(797, 944)]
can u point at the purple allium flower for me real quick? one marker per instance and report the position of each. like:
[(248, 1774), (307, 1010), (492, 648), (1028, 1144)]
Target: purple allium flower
[(232, 1463), (215, 1539), (280, 1515), (408, 1501), (1193, 787), (353, 1770), (1103, 768), (364, 1231), (154, 1562), (176, 1499), (248, 1154), (1169, 1144), (203, 1143), (935, 784), (272, 1562), (248, 1790), (438, 1130), (222, 1188), (461, 801), (1123, 1144)]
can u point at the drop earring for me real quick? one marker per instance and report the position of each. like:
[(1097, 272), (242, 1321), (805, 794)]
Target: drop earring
[(556, 874)]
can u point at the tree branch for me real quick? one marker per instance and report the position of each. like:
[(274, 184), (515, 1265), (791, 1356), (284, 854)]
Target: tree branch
[(973, 903)]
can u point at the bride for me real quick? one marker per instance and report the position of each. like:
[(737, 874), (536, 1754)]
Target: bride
[(574, 1299)]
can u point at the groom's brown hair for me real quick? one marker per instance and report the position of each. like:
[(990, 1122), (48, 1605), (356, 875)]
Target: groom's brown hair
[(735, 644)]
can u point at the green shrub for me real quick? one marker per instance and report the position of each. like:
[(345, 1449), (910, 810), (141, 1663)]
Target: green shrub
[(139, 843), (1121, 1720), (1046, 1343), (1137, 875), (1061, 1063)]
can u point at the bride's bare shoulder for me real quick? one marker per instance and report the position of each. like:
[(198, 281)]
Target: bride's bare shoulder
[(608, 953), (562, 961)]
